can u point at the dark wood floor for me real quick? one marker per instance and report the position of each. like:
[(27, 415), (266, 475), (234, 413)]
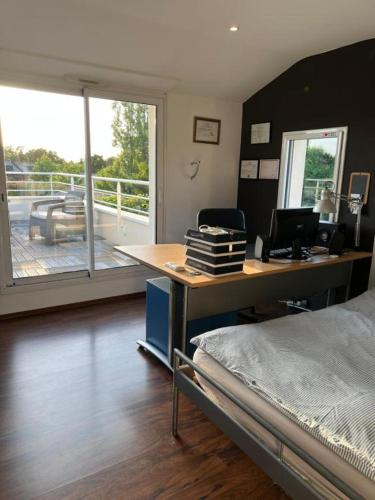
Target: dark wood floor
[(83, 414)]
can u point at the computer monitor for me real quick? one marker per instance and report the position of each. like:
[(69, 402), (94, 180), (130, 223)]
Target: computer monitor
[(294, 229)]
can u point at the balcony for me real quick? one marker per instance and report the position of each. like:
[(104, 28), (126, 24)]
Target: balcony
[(312, 189), (120, 218)]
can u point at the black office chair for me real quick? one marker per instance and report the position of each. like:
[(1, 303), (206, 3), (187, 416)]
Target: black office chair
[(232, 218)]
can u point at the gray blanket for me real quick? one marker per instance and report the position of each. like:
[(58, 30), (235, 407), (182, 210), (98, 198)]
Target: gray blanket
[(316, 367)]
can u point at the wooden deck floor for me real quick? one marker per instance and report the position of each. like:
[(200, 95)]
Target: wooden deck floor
[(35, 258)]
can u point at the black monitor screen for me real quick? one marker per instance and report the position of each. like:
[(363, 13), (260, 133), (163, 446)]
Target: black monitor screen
[(293, 224)]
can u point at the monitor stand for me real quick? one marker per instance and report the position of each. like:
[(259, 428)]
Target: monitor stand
[(297, 251), (297, 254)]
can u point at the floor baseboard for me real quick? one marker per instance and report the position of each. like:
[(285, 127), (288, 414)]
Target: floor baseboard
[(74, 305)]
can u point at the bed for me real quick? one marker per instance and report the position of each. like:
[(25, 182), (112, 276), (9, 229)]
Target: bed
[(311, 429)]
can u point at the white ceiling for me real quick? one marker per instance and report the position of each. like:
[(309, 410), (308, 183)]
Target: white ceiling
[(184, 45)]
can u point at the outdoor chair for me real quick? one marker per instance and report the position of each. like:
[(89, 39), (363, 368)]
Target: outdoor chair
[(59, 219)]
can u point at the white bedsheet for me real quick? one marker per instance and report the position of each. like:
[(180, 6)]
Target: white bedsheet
[(318, 368)]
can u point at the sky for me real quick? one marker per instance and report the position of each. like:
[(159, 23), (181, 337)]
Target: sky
[(34, 119), (328, 144)]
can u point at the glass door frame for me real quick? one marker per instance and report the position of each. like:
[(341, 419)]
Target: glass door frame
[(6, 270), (156, 185), (287, 153)]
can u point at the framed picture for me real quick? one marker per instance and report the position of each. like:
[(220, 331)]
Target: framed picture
[(206, 130), (260, 133), (249, 169), (269, 169), (359, 185)]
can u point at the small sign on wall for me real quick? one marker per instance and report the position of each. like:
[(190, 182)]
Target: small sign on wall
[(260, 133), (249, 169)]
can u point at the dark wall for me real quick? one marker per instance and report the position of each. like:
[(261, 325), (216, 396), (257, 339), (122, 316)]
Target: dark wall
[(336, 88)]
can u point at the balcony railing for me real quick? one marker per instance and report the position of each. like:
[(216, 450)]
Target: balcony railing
[(312, 189), (40, 184)]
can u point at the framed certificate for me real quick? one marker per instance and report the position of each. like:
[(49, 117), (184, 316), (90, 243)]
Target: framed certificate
[(249, 169), (269, 169), (260, 133), (206, 130)]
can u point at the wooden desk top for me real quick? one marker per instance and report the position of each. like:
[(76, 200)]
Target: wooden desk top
[(155, 257)]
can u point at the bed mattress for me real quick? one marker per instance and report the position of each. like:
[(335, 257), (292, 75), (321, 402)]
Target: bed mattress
[(316, 370), (342, 469)]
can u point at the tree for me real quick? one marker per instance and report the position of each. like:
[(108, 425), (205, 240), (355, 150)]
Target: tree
[(46, 164), (130, 133), (33, 155), (97, 163), (18, 155), (319, 164), (15, 155)]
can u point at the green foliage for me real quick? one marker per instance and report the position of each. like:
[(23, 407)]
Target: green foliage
[(45, 164), (130, 133), (98, 162), (319, 164), (14, 154), (137, 204), (18, 155), (114, 171)]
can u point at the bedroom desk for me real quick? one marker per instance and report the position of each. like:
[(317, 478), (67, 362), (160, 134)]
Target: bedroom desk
[(194, 297)]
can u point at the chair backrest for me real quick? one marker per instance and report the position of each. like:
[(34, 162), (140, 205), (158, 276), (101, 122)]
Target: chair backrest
[(73, 203), (232, 218)]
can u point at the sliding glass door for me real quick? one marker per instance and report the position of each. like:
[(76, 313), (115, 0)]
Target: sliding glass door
[(123, 148), (45, 181), (69, 204)]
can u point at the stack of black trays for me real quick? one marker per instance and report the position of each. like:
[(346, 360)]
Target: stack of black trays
[(216, 254)]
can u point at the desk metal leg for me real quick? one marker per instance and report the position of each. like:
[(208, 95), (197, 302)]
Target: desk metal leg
[(175, 397), (175, 402), (178, 299)]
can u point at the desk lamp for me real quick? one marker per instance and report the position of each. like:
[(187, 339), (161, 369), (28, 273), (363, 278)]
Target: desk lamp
[(326, 205)]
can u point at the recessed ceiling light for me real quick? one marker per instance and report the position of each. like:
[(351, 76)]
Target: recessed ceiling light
[(234, 28)]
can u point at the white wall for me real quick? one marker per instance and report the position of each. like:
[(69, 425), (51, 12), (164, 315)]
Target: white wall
[(216, 183)]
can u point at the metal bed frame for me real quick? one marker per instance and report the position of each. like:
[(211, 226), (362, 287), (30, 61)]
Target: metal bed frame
[(279, 471)]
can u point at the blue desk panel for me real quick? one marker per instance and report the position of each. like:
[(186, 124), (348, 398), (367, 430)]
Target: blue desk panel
[(157, 318)]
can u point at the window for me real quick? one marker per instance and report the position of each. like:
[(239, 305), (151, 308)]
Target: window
[(310, 160), (67, 203), (44, 148)]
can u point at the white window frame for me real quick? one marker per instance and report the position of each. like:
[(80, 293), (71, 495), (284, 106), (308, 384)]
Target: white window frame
[(7, 282), (286, 152)]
